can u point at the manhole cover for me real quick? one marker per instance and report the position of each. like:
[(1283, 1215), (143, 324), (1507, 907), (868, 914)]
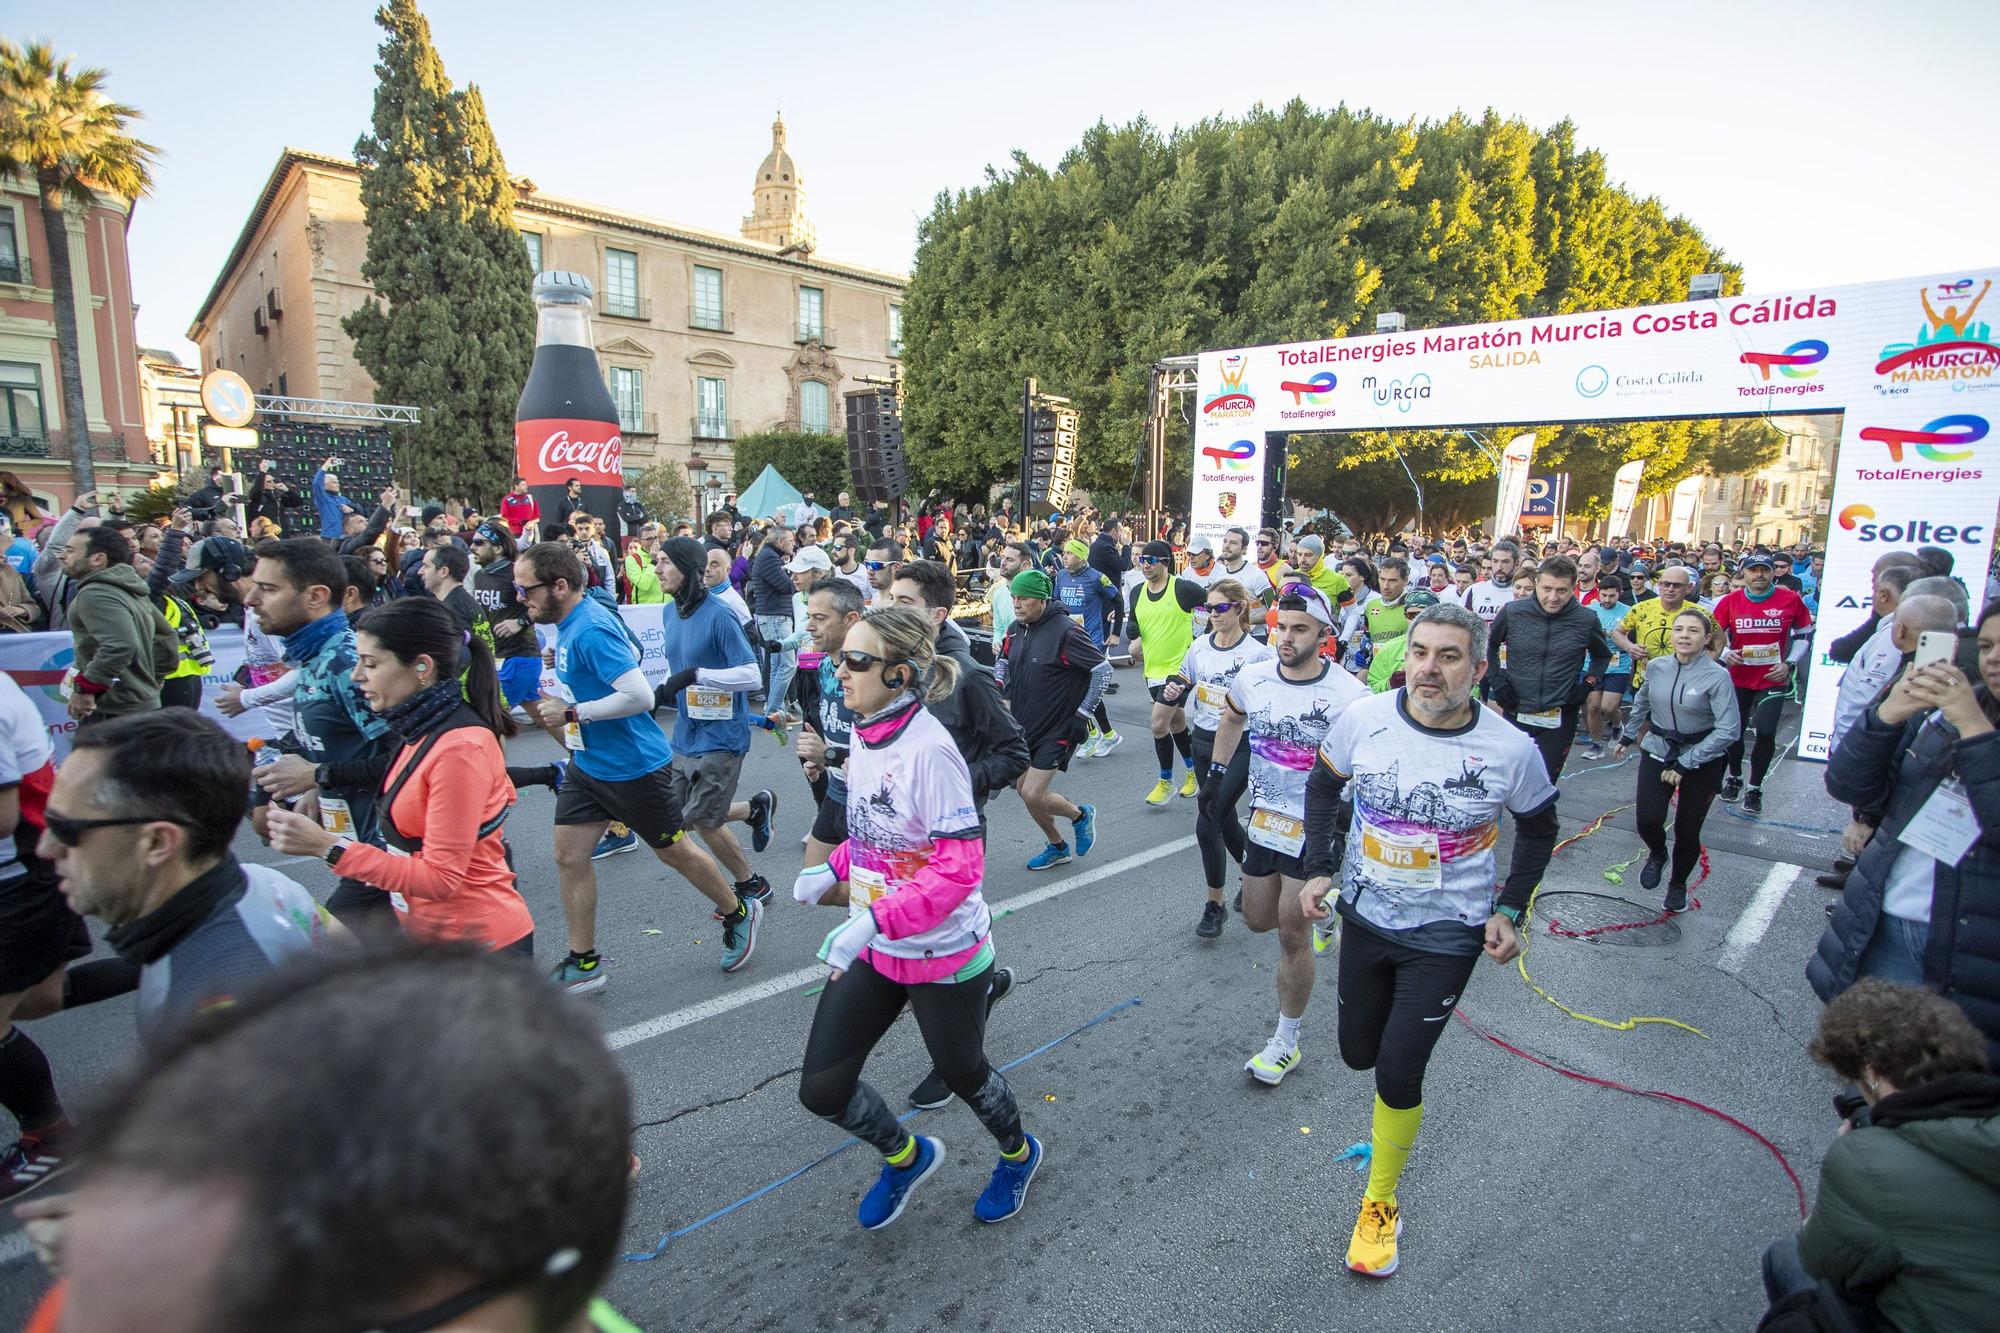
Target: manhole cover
[(1600, 918)]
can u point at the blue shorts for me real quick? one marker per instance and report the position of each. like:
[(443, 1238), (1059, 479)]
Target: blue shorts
[(520, 678)]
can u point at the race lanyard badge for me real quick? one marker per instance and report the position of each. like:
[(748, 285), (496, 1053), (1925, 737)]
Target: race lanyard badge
[(335, 817), (864, 886), (1281, 833), (1545, 720), (1406, 861), (710, 705), (573, 736), (1944, 828)]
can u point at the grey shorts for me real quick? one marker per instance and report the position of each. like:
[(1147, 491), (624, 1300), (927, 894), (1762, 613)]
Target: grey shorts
[(705, 786)]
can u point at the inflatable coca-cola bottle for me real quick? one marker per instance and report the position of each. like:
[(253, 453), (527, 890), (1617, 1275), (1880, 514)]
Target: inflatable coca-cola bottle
[(566, 426)]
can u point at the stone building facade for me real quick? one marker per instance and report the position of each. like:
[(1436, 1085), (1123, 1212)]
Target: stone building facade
[(702, 336)]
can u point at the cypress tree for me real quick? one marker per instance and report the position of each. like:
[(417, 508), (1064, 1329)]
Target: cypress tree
[(452, 330)]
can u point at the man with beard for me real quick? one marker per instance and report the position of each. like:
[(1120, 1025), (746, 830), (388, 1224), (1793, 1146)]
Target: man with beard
[(1769, 632), (1429, 773)]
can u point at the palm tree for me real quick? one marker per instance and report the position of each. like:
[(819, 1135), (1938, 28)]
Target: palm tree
[(58, 129)]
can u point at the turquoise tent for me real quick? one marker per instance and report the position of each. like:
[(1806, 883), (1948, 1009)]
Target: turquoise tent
[(768, 495)]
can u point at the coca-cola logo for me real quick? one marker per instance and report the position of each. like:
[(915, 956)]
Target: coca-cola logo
[(559, 453)]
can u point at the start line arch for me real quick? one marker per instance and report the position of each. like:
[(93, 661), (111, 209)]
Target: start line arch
[(1912, 364)]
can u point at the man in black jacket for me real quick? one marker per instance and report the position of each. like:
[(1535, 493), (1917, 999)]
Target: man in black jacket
[(1111, 556), (770, 595), (209, 501), (1548, 639), (986, 734), (1052, 674)]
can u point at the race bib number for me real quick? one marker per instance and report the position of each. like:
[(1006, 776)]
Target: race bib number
[(1211, 696), (710, 705), (573, 736), (1944, 828), (335, 817), (1545, 720), (864, 886), (1406, 861), (1280, 833), (1759, 654)]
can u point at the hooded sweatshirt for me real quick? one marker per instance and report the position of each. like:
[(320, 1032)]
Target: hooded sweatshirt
[(1545, 653), (703, 639), (124, 646)]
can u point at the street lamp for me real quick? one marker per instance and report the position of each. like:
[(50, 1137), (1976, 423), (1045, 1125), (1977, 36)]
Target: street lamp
[(696, 465)]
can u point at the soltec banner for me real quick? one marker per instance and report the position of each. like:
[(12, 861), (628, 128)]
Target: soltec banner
[(1515, 461), (1624, 494), (1912, 363)]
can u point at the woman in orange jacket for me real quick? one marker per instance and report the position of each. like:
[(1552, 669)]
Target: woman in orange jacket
[(446, 866)]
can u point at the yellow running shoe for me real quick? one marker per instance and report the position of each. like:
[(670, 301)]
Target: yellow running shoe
[(1372, 1252), (1326, 934), (1188, 787), (1163, 791)]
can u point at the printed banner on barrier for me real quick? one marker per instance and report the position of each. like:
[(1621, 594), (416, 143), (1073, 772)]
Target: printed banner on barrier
[(1912, 364)]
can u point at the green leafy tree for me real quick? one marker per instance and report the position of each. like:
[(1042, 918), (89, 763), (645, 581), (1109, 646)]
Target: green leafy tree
[(453, 328), (60, 131), (1279, 226), (664, 491), (810, 461)]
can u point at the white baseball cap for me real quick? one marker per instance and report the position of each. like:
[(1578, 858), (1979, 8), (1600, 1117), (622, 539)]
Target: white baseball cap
[(810, 557)]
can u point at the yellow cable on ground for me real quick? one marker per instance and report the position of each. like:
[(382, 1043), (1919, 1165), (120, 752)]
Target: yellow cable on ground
[(1521, 963)]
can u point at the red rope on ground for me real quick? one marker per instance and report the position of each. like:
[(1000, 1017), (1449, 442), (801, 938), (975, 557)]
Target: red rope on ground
[(1797, 1185)]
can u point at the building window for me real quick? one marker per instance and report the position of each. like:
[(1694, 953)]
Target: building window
[(628, 391), (711, 398), (895, 330), (812, 314), (812, 407), (10, 252), (707, 313), (533, 240), (621, 283), (21, 400), (1784, 493), (283, 392)]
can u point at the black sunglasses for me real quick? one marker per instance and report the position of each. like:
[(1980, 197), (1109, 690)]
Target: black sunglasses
[(69, 832), (859, 662)]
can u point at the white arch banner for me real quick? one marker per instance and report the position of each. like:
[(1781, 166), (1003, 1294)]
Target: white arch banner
[(1912, 363)]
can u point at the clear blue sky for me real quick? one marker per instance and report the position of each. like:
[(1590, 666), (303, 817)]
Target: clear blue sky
[(1817, 144)]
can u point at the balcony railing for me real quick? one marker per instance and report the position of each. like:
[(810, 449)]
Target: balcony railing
[(639, 423), (24, 446), (712, 321), (107, 447), (639, 308), (713, 428), (815, 333), (16, 268)]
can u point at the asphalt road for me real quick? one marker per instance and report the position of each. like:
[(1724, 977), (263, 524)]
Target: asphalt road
[(1175, 1192)]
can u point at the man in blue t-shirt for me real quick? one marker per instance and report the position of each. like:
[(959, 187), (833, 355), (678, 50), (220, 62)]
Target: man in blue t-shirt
[(713, 669), (618, 764), (1089, 595)]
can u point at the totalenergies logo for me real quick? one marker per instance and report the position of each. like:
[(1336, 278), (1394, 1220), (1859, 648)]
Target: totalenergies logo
[(1314, 390), (1235, 457), (1232, 401), (1952, 344), (1855, 515), (1792, 363), (1933, 441)]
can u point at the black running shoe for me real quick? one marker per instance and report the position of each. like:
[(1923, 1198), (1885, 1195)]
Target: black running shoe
[(1238, 904), (755, 887), (1212, 917), (33, 1160), (932, 1092), (1000, 987), (1732, 788), (1753, 800), (763, 809), (1649, 874), (1677, 898)]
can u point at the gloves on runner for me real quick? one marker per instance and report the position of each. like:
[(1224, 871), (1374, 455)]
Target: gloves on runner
[(844, 943), (670, 688), (1211, 787), (813, 883)]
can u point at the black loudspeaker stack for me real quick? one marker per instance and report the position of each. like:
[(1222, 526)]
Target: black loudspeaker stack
[(875, 445)]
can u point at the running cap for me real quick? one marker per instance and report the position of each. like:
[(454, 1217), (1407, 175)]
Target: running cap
[(1031, 583), (808, 558), (220, 555), (1314, 599), (1201, 546), (1080, 550), (1757, 558)]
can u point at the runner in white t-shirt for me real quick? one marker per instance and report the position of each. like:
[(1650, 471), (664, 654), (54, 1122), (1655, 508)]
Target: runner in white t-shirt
[(1285, 707), (1485, 599)]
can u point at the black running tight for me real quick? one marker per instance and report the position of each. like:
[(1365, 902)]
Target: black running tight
[(1394, 1003), (1760, 711), (854, 1013), (1697, 793), (1218, 832)]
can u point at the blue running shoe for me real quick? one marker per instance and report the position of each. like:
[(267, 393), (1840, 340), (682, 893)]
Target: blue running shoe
[(885, 1202), (1007, 1193), (559, 774), (613, 843), (739, 934), (1055, 854), (1085, 825), (763, 807)]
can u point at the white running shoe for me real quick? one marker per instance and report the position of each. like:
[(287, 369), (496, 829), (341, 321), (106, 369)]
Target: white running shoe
[(1270, 1065)]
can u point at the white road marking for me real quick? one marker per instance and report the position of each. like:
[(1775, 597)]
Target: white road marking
[(1756, 918), (790, 981)]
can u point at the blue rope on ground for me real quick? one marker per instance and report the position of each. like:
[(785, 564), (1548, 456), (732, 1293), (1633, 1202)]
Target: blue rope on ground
[(648, 1256), (1776, 823)]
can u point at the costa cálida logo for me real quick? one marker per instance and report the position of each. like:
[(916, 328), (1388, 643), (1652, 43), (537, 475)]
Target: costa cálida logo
[(551, 453)]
